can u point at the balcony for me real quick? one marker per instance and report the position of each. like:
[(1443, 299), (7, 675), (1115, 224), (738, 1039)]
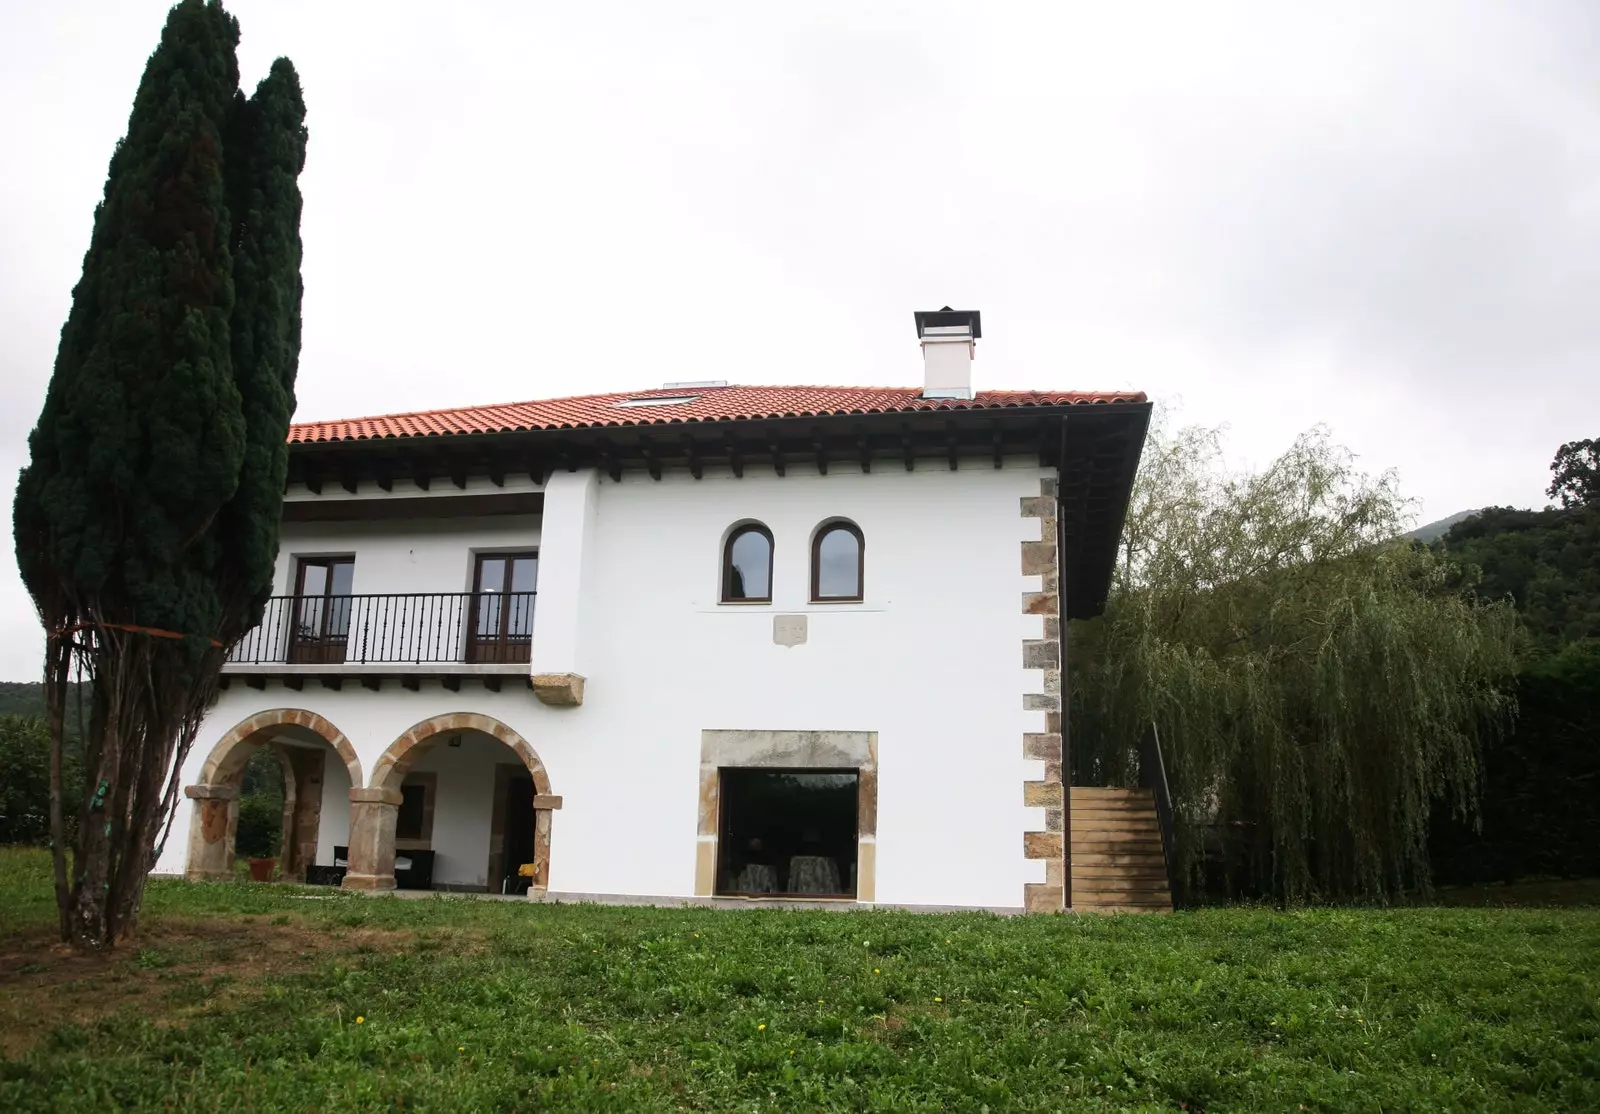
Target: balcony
[(407, 637)]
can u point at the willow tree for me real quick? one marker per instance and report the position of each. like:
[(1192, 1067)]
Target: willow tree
[(1317, 683), (146, 520)]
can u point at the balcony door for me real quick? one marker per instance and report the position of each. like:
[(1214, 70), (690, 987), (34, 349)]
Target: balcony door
[(321, 629), (502, 607)]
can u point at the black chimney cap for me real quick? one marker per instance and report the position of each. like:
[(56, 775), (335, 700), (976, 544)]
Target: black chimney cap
[(945, 317)]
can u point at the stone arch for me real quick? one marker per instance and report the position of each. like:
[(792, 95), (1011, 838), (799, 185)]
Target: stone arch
[(216, 793), (374, 810), (393, 764), (233, 750)]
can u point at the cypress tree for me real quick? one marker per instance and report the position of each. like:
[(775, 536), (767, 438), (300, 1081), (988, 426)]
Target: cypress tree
[(267, 149), (146, 520)]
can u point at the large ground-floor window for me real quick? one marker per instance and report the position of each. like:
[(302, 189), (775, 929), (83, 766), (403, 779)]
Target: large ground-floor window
[(788, 832)]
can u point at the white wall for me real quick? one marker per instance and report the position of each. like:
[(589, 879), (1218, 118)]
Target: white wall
[(931, 661), (333, 824), (417, 555), (463, 806)]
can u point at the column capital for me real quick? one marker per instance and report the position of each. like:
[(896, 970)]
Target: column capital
[(365, 796)]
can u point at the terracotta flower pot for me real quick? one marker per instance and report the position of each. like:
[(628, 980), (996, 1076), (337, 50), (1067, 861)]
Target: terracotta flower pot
[(261, 869)]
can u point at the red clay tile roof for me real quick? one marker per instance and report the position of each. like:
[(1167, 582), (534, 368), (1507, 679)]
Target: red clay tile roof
[(710, 404)]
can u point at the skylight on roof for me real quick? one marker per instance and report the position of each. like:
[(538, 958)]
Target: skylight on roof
[(660, 400)]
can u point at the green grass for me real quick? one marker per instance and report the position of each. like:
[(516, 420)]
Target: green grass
[(247, 997)]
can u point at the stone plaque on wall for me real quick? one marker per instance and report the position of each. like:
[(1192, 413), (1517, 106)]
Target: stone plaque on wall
[(789, 630)]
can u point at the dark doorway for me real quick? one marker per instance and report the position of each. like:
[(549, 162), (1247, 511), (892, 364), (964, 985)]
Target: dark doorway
[(519, 832), (789, 833)]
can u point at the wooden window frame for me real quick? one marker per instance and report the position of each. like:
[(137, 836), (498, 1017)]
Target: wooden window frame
[(475, 642), (734, 535), (319, 649), (823, 531)]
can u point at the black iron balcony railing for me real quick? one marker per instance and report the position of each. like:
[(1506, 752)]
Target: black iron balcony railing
[(418, 628)]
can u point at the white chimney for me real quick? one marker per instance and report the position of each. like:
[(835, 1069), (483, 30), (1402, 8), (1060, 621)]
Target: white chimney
[(948, 338)]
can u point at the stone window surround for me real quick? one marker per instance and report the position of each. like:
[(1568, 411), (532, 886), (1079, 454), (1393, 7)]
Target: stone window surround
[(789, 750)]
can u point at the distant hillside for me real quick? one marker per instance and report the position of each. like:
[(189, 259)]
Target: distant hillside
[(1433, 531), (21, 698), (26, 698), (1543, 561)]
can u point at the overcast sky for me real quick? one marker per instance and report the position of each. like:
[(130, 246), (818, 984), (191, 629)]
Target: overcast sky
[(1382, 217)]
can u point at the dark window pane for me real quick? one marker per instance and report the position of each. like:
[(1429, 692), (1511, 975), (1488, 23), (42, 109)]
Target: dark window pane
[(750, 560), (339, 616), (491, 574), (344, 574), (787, 831), (519, 616), (413, 800), (838, 564), (524, 574), (313, 579)]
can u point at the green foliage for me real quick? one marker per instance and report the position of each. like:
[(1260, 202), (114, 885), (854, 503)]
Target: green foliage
[(266, 152), (26, 698), (141, 437), (25, 762), (479, 1005), (1575, 474), (260, 829), (25, 779), (1546, 562), (1541, 782), (1316, 684)]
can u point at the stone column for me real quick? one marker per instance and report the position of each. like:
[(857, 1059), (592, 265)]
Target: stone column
[(373, 813), (216, 808), (300, 844)]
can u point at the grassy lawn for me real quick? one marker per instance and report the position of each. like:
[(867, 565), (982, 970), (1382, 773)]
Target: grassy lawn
[(243, 997)]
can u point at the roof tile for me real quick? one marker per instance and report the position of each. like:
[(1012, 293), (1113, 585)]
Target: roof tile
[(709, 404)]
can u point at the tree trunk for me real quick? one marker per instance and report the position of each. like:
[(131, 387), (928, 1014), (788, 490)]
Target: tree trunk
[(55, 691)]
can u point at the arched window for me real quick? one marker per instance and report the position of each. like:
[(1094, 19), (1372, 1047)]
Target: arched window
[(837, 560), (747, 565)]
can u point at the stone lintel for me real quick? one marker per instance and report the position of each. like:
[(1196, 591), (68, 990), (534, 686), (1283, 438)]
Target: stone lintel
[(559, 690), (790, 749)]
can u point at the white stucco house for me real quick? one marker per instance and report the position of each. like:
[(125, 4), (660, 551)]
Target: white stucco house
[(698, 642)]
